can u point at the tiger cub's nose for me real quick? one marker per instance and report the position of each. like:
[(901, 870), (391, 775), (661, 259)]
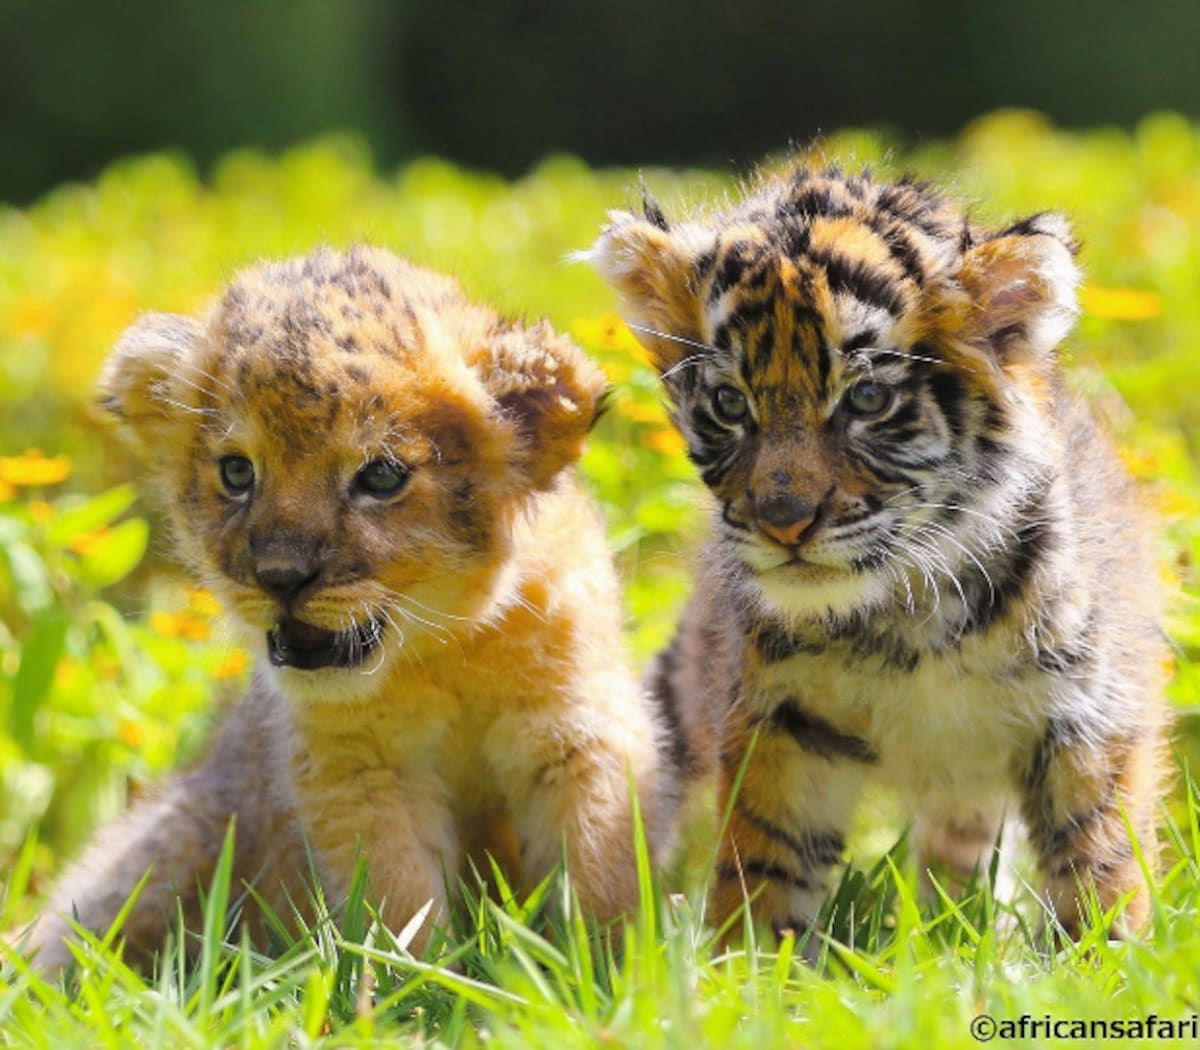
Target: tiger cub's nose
[(787, 519)]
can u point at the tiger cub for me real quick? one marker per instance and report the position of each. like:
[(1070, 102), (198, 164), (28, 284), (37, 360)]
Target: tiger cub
[(928, 568), (376, 476)]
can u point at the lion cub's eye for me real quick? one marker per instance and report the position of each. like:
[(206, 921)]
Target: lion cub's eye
[(730, 404), (237, 474), (869, 399), (382, 478)]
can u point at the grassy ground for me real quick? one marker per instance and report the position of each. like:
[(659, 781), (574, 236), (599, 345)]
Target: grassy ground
[(111, 668), (904, 971)]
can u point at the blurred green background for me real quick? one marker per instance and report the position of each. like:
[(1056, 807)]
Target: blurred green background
[(148, 153), (502, 84)]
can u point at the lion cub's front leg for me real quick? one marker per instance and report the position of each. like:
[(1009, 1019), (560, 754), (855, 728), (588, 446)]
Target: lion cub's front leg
[(395, 816), (570, 788)]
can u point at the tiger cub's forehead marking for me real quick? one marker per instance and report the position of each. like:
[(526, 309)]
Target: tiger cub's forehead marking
[(790, 331), (818, 279)]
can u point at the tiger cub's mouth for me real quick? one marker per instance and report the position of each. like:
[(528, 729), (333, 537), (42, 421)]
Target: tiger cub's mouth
[(294, 643)]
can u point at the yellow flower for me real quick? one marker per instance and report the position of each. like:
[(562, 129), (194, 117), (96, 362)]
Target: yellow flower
[(1168, 666), (66, 673), (83, 544), (105, 667), (637, 411), (34, 468), (203, 602), (1172, 503), (130, 733), (667, 441), (231, 665), (163, 623), (180, 625), (1141, 463), (608, 332), (641, 413), (1120, 304), (31, 317), (7, 492), (618, 371)]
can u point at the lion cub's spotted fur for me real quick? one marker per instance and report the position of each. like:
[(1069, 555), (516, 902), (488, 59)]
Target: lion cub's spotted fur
[(476, 693), (928, 567)]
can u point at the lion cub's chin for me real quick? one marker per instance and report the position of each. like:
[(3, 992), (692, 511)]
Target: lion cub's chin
[(334, 684)]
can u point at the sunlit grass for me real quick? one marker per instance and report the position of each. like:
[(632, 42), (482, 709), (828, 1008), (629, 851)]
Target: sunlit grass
[(899, 967)]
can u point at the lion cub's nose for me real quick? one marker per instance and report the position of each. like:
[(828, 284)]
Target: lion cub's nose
[(786, 519), (285, 583)]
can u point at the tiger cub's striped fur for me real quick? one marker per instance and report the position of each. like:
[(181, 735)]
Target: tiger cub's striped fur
[(928, 567)]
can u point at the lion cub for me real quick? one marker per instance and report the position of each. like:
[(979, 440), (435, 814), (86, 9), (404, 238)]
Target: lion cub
[(374, 475)]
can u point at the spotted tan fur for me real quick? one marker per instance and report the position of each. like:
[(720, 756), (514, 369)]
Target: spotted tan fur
[(928, 568), (496, 709)]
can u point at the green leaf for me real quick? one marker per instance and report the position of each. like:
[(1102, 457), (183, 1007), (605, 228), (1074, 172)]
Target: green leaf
[(90, 515), (29, 576), (664, 515), (12, 528), (115, 554), (39, 659)]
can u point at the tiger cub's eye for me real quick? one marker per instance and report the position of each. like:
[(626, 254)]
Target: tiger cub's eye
[(382, 478), (730, 404), (869, 399), (237, 474)]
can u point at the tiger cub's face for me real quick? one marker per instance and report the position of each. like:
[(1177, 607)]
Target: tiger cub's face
[(857, 370), (342, 446)]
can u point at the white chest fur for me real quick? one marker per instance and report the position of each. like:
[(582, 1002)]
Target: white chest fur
[(955, 725)]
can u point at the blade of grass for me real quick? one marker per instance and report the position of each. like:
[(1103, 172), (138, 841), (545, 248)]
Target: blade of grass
[(212, 947), (853, 961), (17, 883), (354, 928), (477, 992)]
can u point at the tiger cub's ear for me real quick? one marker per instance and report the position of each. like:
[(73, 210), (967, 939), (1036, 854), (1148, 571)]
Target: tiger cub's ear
[(652, 266), (139, 380), (1022, 285), (547, 389)]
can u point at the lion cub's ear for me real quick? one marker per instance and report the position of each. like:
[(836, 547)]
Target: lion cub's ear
[(547, 389), (140, 379)]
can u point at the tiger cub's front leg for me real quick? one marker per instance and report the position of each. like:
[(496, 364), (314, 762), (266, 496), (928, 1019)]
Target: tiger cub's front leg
[(797, 778), (1078, 793)]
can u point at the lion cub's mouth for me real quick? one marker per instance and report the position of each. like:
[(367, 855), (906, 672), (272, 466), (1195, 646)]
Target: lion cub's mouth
[(294, 643)]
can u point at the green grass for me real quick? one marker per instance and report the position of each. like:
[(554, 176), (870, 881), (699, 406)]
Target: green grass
[(112, 669), (907, 970)]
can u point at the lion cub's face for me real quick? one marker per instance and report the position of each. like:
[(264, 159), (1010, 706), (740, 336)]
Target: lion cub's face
[(342, 445)]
